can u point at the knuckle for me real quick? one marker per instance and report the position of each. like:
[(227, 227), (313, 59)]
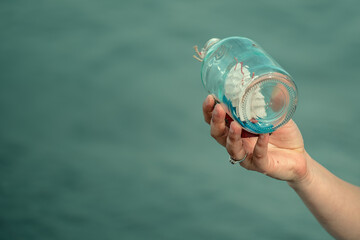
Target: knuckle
[(233, 137), (214, 118), (214, 135), (218, 133), (221, 141), (258, 155), (230, 147), (231, 151)]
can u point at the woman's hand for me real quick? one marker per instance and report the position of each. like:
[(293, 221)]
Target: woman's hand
[(281, 155), (334, 202)]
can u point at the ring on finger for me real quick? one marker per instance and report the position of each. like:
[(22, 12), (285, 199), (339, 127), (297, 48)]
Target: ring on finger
[(234, 161)]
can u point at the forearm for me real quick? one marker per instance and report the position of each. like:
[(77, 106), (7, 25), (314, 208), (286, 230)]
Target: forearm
[(334, 202)]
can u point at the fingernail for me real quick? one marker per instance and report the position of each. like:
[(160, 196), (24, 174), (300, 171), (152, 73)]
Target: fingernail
[(208, 99)]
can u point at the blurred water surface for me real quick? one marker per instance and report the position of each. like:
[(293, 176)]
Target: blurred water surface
[(102, 135)]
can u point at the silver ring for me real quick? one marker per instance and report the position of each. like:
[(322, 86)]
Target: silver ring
[(234, 161)]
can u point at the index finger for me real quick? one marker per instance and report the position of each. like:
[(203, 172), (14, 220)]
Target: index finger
[(208, 107)]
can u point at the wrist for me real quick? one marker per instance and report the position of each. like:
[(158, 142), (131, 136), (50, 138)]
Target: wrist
[(307, 178)]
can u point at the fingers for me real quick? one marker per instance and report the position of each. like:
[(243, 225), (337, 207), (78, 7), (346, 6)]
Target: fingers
[(215, 116), (208, 107), (259, 158), (218, 129), (234, 144)]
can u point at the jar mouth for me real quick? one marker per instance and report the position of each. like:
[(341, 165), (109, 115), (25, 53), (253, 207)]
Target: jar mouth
[(268, 103)]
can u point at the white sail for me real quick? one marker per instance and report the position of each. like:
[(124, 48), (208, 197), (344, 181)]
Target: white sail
[(236, 82)]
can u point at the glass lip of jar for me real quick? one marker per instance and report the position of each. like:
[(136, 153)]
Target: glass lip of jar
[(284, 79)]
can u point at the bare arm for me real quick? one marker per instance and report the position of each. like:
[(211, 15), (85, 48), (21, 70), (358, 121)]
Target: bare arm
[(334, 202)]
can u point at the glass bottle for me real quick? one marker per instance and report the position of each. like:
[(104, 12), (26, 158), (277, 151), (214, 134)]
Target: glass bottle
[(252, 87)]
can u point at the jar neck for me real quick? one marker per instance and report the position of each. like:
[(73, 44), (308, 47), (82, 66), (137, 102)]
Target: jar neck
[(201, 54)]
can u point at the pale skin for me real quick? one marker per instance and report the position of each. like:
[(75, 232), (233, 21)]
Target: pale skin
[(334, 202)]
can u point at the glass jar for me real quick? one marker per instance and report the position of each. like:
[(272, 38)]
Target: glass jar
[(252, 87)]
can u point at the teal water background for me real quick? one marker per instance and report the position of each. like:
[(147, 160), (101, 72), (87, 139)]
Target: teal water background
[(102, 135)]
